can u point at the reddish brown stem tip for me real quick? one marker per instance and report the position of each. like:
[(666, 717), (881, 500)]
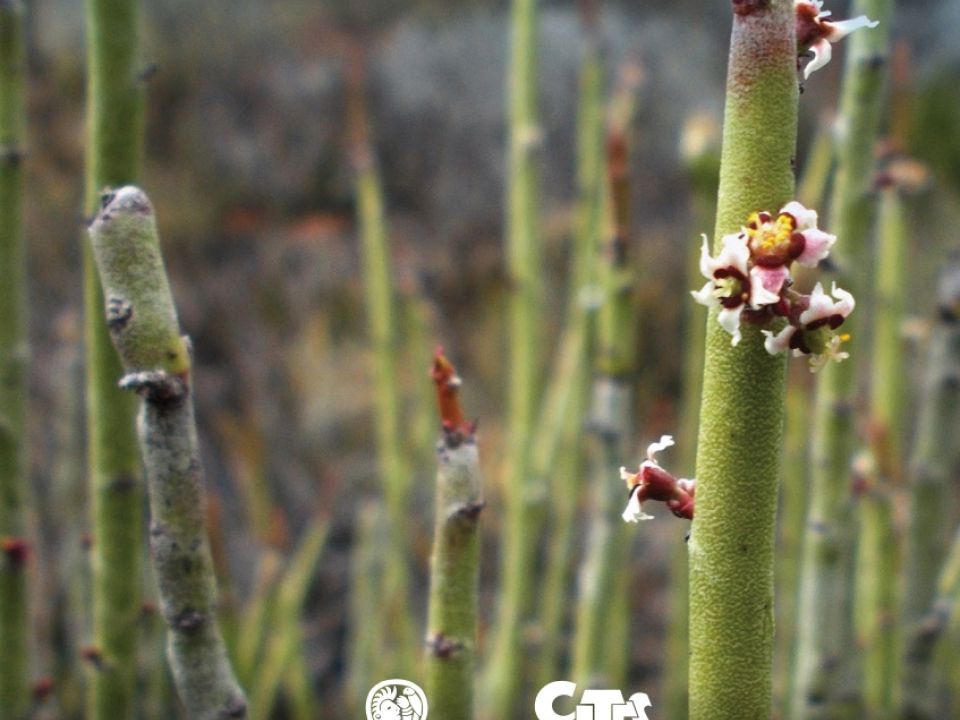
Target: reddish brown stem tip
[(447, 381), (16, 550)]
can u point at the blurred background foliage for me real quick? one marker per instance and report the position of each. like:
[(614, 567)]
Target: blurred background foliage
[(247, 163)]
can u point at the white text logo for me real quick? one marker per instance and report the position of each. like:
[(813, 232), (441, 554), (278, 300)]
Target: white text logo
[(594, 704)]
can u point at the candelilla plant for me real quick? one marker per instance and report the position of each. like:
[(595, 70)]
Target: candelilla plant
[(114, 135), (452, 619), (14, 548), (156, 360)]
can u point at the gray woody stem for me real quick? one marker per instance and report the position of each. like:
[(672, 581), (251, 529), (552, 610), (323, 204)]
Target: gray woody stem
[(145, 331)]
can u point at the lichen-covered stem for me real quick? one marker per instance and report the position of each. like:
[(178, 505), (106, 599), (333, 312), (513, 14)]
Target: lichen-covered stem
[(114, 136), (931, 464), (505, 669), (454, 566), (13, 362), (826, 641), (146, 334), (741, 419)]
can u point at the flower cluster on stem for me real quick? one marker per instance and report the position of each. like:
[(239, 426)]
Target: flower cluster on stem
[(652, 482), (750, 281), (815, 32)]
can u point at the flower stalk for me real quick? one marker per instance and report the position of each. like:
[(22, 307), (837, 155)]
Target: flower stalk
[(156, 360), (732, 539), (826, 642), (454, 565), (14, 625), (114, 136)]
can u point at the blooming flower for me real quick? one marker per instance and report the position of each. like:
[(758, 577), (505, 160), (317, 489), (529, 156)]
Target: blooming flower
[(813, 332), (815, 32), (652, 482), (731, 283)]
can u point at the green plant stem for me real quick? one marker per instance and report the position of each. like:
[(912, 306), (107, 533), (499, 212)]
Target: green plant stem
[(931, 469), (878, 555), (741, 425), (13, 364), (826, 644), (156, 359), (558, 452), (813, 184), (114, 136), (454, 567), (366, 563), (506, 668), (399, 636)]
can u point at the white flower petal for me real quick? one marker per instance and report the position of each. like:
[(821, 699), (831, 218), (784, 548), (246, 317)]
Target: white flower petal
[(735, 253), (765, 285), (841, 29), (729, 319), (705, 295), (707, 263), (845, 302), (775, 344), (663, 443), (817, 244), (822, 52), (823, 306), (634, 512), (628, 477), (805, 217)]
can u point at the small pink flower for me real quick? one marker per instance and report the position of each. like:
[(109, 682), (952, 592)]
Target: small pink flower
[(815, 32), (652, 482), (813, 332), (775, 242), (731, 283)]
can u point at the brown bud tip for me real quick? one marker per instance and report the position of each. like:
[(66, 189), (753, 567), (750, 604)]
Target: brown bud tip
[(92, 655), (148, 608), (16, 549), (41, 688), (447, 382)]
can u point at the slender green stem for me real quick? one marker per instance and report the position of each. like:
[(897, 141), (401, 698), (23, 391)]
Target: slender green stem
[(824, 653), (508, 658), (454, 567), (878, 556), (931, 466), (114, 136), (13, 365), (741, 426), (399, 636), (156, 359)]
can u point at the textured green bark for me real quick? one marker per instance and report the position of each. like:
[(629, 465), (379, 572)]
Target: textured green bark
[(741, 418), (13, 363), (399, 638), (114, 136), (454, 568), (931, 466), (508, 657), (146, 333), (826, 641)]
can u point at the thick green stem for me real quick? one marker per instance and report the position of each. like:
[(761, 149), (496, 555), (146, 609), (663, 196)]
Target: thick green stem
[(454, 567), (156, 359), (931, 467), (741, 419), (114, 136), (508, 658), (826, 644), (13, 363)]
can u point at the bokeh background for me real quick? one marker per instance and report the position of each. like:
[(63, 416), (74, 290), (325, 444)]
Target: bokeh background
[(248, 164)]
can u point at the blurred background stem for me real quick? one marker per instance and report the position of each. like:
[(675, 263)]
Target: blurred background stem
[(14, 547), (507, 662), (825, 650), (114, 138)]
